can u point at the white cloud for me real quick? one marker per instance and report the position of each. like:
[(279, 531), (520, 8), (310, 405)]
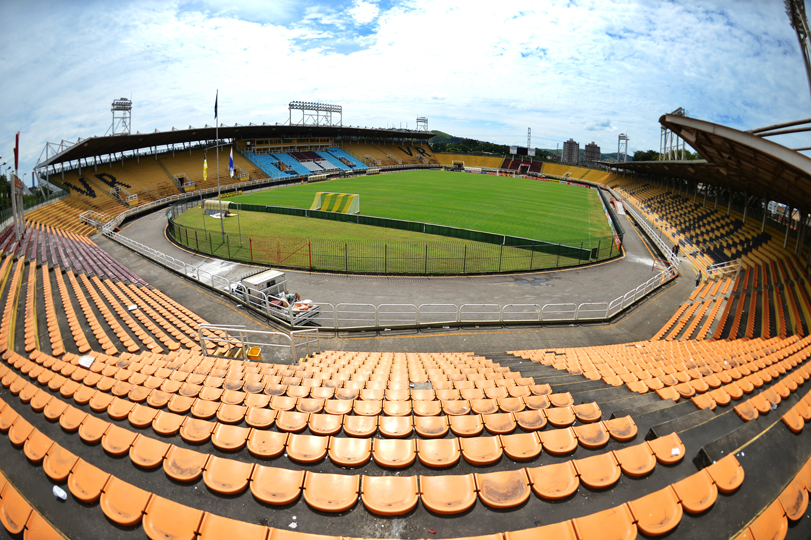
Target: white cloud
[(477, 69), (363, 12)]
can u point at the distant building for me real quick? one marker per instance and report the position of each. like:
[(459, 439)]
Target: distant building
[(571, 152), (592, 153)]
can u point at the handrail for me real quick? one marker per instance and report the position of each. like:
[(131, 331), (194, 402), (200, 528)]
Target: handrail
[(243, 342)]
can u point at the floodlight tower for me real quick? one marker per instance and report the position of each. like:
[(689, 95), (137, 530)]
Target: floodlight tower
[(622, 147), (795, 9), (122, 117), (529, 138), (422, 124)]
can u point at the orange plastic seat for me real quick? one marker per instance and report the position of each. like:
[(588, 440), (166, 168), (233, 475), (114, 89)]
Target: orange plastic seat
[(307, 448), (521, 446), (510, 404), (389, 495), (124, 503), (117, 440), (727, 474), (588, 412), (14, 510), (325, 424), (230, 438), (466, 426), (746, 411), (367, 408), (591, 435), (426, 408), (484, 406), (70, 420), (215, 527), (37, 445), (621, 429), (560, 416), (200, 408), (394, 453), (338, 406), (760, 403), (231, 414), (636, 461), (350, 451), (613, 524), (148, 453), (530, 420), (395, 426), (668, 450), (499, 423), (40, 400), (331, 492), (36, 528), (555, 481), (448, 494), (772, 523), (167, 424), (481, 450), (697, 493), (100, 401), (431, 426), (657, 513), (561, 400), (58, 463), (559, 531), (360, 426), (599, 471), (276, 486), (166, 519), (260, 418), (92, 429), (196, 431), (292, 421), (558, 442), (502, 490), (227, 476), (120, 408), (266, 444), (397, 408), (438, 452), (794, 500), (793, 420), (86, 481), (184, 465), (19, 431), (283, 403)]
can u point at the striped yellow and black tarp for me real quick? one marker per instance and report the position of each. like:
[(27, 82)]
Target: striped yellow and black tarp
[(333, 202)]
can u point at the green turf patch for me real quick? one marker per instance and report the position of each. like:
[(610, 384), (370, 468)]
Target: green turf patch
[(521, 207)]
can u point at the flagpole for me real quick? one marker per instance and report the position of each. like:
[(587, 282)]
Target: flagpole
[(217, 149)]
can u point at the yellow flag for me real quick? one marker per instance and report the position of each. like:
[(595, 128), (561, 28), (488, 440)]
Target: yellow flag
[(205, 169)]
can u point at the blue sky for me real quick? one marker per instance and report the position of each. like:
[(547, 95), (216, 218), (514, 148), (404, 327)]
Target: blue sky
[(588, 69)]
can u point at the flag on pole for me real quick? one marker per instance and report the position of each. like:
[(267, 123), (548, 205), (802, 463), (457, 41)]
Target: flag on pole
[(215, 103), (17, 152), (231, 163), (205, 169)]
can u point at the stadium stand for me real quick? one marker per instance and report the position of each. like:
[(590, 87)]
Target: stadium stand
[(464, 437), (382, 154), (486, 162), (346, 159)]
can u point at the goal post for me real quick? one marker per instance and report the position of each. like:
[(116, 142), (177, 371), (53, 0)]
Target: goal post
[(342, 203)]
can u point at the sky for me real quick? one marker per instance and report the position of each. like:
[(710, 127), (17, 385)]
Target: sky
[(582, 69)]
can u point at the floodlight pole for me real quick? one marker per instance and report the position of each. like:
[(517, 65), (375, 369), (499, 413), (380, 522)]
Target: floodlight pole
[(219, 195)]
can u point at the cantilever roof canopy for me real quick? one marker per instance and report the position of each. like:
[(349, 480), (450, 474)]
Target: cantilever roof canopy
[(736, 160), (101, 146)]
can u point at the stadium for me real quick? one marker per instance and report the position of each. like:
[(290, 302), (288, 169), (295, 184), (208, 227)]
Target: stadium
[(314, 331)]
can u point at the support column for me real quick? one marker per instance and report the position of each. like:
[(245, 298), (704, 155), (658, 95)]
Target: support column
[(765, 210), (716, 200), (745, 206), (705, 194), (729, 206), (695, 194), (800, 234), (788, 223)]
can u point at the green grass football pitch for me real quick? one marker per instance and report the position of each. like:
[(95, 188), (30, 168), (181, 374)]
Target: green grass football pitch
[(555, 213), (546, 211)]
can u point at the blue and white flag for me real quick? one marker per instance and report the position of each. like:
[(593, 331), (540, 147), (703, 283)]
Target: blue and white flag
[(231, 163)]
